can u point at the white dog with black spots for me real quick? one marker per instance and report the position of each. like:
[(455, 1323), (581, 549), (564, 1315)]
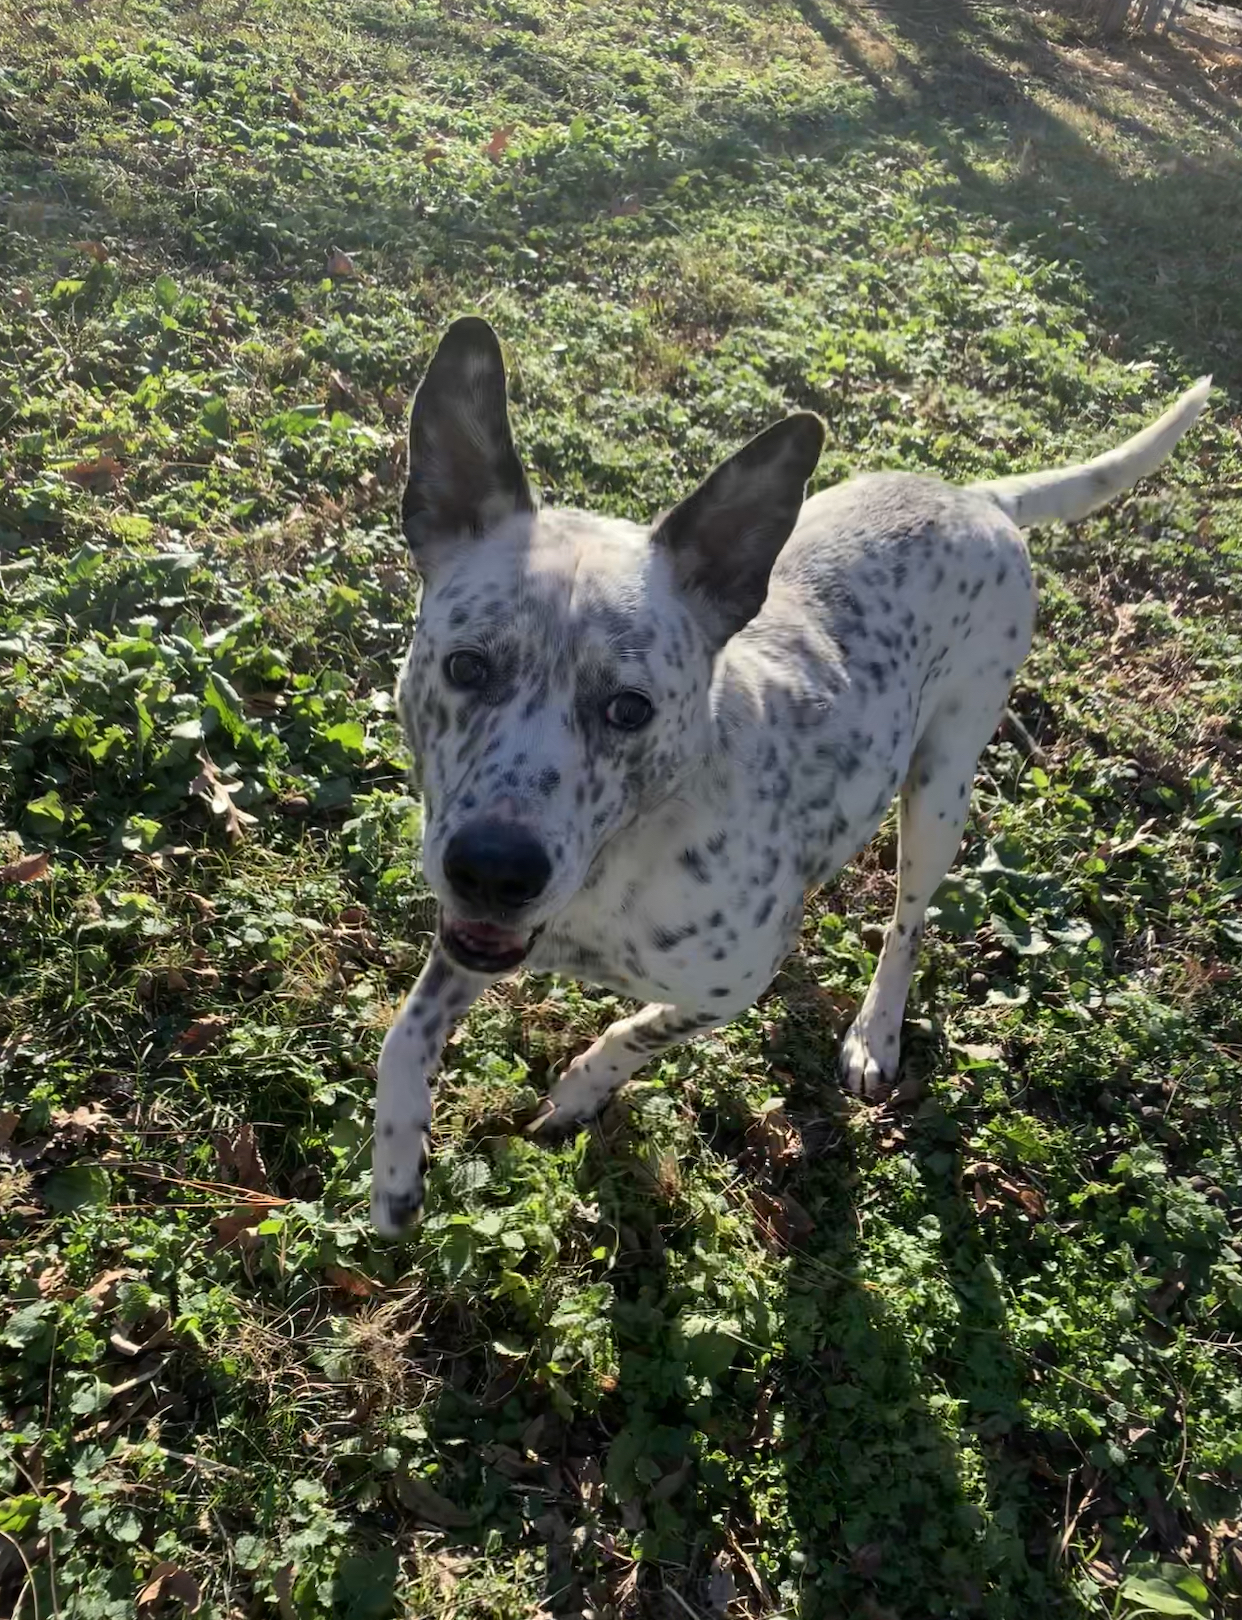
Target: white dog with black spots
[(640, 747)]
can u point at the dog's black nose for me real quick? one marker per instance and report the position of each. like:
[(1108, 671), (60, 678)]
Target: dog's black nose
[(496, 867)]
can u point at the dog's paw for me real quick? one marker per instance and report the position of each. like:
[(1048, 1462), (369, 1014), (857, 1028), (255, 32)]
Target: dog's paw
[(552, 1125), (869, 1055), (573, 1102), (397, 1177)]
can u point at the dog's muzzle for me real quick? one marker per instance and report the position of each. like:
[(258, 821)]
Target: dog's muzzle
[(495, 870)]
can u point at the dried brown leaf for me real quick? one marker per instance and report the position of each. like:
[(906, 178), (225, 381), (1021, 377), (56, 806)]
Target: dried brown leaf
[(209, 785), (26, 868), (497, 146), (351, 1282), (93, 250), (98, 475), (239, 1226), (341, 395), (340, 266), (282, 1580), (103, 1291), (773, 1134), (782, 1219), (867, 1560), (51, 1280), (239, 1159), (416, 1496), (79, 1124), (201, 1035), (169, 1581), (9, 1121)]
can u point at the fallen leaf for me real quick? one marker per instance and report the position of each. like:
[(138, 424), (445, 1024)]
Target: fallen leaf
[(201, 1035), (350, 1282), (341, 395), (239, 1159), (79, 1124), (434, 154), (341, 266), (176, 981), (867, 1560), (209, 785), (773, 1134), (205, 908), (93, 250), (1127, 614), (624, 206), (26, 868), (103, 1291), (1032, 1202), (721, 1587), (981, 1054), (416, 1496), (782, 1219), (666, 1488), (282, 1580), (238, 1227), (98, 475), (170, 1581), (496, 147), (9, 1121), (1163, 1522), (51, 1280)]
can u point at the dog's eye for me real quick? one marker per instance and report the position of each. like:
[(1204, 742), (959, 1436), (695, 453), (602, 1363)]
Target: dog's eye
[(628, 711), (466, 669)]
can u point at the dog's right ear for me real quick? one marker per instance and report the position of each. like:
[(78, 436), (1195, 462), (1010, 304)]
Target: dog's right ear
[(464, 475)]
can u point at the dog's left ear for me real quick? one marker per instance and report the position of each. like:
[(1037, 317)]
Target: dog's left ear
[(725, 537), (464, 475)]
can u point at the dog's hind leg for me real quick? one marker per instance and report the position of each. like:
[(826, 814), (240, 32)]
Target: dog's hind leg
[(623, 1048), (934, 804)]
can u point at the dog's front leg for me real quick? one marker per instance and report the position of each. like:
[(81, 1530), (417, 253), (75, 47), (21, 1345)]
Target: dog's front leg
[(407, 1061), (622, 1049)]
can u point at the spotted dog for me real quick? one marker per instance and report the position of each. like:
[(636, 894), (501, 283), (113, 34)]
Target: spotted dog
[(641, 747)]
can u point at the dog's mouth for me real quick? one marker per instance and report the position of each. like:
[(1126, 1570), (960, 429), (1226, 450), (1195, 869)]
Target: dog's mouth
[(484, 947)]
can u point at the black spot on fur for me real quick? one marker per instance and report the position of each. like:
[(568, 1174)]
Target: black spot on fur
[(694, 863)]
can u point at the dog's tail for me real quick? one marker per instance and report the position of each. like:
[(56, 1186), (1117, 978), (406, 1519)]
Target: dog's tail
[(1070, 493)]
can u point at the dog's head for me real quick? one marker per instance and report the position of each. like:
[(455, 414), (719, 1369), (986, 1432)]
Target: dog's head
[(558, 683)]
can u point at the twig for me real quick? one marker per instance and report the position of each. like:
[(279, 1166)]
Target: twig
[(1022, 740)]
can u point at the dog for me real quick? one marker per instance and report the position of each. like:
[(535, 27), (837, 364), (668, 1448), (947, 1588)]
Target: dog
[(640, 748)]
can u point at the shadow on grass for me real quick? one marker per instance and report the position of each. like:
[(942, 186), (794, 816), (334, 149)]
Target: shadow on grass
[(1026, 128)]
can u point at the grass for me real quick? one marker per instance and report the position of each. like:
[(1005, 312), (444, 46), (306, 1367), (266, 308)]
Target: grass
[(749, 1348)]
